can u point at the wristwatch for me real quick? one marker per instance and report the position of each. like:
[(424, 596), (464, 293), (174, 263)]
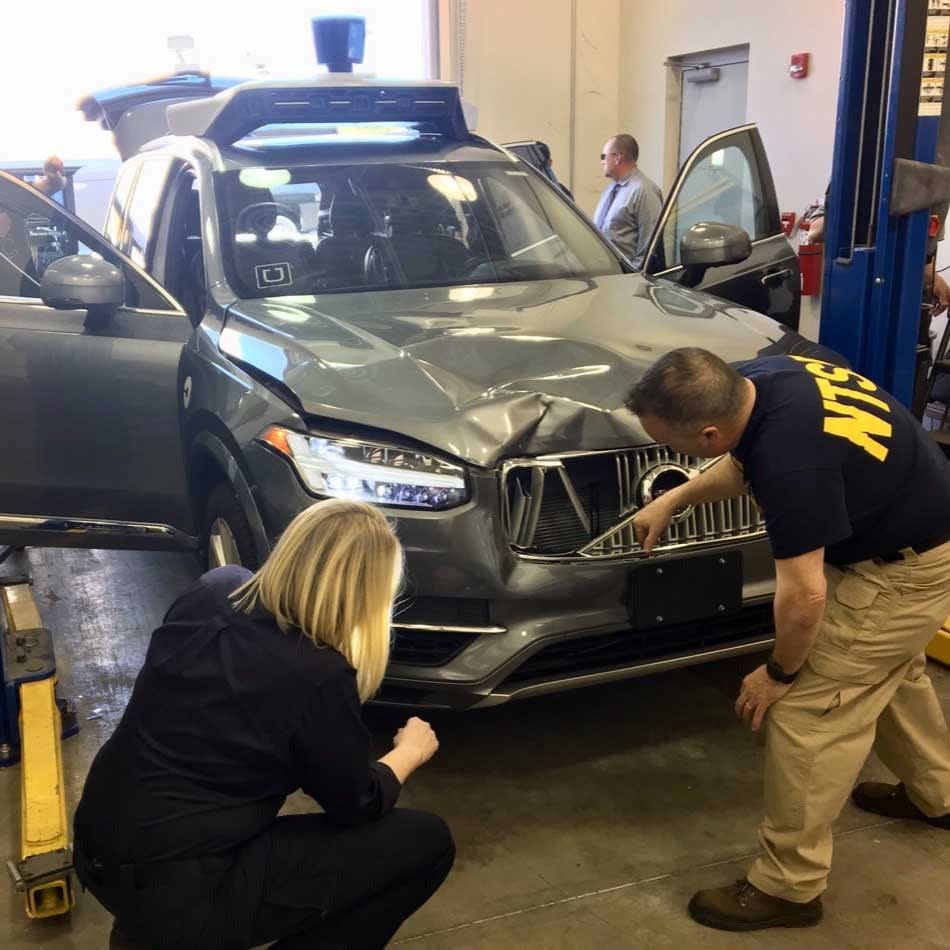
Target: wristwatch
[(779, 675)]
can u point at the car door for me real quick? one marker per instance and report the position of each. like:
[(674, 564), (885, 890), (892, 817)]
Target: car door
[(92, 453), (727, 179), (531, 153)]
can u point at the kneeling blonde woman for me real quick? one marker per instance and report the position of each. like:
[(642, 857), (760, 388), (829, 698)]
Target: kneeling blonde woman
[(252, 689)]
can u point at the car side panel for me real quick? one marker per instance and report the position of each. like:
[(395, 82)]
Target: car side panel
[(91, 415)]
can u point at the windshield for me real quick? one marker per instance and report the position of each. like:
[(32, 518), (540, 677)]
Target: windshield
[(336, 228)]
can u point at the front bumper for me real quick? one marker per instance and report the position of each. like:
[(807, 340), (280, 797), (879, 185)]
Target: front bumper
[(481, 626)]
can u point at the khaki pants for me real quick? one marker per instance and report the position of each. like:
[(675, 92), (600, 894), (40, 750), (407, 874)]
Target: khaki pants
[(864, 684)]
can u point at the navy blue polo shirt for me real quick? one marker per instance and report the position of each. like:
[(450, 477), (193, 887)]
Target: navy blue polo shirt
[(835, 462)]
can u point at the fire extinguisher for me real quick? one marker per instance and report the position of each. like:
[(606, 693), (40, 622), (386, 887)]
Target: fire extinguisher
[(809, 254), (809, 262)]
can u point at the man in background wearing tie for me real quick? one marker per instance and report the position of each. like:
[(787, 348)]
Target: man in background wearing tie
[(628, 209)]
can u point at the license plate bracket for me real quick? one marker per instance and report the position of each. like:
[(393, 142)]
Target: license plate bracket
[(669, 591)]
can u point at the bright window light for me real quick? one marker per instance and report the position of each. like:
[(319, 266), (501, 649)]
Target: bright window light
[(157, 39), (454, 188)]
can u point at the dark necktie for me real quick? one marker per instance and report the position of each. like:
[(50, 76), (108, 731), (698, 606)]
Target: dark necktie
[(607, 206)]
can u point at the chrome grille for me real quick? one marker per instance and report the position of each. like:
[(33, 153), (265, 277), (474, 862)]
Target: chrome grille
[(581, 506)]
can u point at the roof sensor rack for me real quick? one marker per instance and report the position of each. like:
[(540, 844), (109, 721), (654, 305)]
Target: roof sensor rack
[(232, 115)]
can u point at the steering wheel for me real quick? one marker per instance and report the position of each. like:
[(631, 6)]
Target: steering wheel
[(260, 217)]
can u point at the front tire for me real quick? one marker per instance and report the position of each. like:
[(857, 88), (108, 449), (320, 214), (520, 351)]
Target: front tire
[(227, 534)]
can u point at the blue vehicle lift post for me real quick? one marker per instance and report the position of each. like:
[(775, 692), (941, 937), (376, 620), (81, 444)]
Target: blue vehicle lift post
[(884, 183), (890, 174)]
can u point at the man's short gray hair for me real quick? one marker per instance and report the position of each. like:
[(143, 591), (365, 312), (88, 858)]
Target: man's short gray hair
[(689, 386), (626, 145)]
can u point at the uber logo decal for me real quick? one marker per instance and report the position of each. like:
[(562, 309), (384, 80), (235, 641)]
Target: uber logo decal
[(273, 275)]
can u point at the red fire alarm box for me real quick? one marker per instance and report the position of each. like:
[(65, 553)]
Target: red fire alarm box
[(788, 222), (798, 68)]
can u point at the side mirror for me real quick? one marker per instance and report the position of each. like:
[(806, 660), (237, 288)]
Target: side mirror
[(710, 244), (83, 282)]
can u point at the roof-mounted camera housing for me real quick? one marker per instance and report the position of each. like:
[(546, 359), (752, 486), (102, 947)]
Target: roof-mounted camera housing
[(339, 41)]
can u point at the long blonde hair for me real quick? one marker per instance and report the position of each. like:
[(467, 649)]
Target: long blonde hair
[(333, 575)]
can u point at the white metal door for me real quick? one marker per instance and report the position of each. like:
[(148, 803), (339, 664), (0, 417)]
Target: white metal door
[(713, 95)]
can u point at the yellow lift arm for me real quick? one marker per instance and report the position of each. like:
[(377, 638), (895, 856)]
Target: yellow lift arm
[(939, 648), (43, 873)]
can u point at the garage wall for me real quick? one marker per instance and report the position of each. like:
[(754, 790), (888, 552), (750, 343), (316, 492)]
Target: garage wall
[(796, 117), (539, 69), (584, 69)]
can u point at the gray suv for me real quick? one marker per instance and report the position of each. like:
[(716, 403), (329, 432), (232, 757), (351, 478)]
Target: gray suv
[(323, 289)]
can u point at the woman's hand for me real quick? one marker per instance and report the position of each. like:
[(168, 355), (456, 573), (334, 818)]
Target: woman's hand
[(413, 746), (417, 736)]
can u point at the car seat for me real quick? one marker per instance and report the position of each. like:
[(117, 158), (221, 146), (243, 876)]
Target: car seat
[(425, 254), (340, 257), (192, 283)]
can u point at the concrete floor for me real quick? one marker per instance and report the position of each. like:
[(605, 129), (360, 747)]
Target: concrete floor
[(584, 820)]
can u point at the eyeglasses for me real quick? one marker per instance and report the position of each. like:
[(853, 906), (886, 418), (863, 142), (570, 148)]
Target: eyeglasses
[(603, 155)]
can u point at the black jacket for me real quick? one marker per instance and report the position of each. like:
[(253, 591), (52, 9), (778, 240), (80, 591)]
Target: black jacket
[(228, 716)]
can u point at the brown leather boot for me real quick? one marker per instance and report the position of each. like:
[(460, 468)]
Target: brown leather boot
[(892, 801), (742, 906)]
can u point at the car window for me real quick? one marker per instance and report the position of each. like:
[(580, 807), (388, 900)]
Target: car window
[(527, 153), (143, 207), (526, 231), (35, 232), (183, 274), (722, 186), (118, 205), (375, 226)]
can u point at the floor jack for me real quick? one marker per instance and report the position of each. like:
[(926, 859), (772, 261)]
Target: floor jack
[(33, 720)]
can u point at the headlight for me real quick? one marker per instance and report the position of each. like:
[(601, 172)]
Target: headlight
[(344, 468)]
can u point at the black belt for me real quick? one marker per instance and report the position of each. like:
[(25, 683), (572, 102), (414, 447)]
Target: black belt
[(918, 549), (93, 870)]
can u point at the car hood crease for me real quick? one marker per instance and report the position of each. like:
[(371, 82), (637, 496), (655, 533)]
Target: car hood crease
[(485, 373)]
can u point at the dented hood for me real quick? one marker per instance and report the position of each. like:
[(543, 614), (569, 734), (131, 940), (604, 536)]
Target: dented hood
[(489, 372)]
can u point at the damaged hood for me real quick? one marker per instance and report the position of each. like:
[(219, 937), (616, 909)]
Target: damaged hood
[(485, 373)]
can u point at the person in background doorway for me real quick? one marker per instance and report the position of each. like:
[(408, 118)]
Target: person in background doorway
[(629, 207), (933, 281), (548, 168), (251, 689), (54, 177)]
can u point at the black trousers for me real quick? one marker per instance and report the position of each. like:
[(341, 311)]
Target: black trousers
[(305, 883)]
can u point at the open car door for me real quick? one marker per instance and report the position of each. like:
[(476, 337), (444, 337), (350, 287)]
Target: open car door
[(532, 152), (727, 180), (135, 114), (89, 396)]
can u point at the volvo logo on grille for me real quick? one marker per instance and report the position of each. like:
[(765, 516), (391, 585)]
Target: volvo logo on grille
[(658, 481)]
